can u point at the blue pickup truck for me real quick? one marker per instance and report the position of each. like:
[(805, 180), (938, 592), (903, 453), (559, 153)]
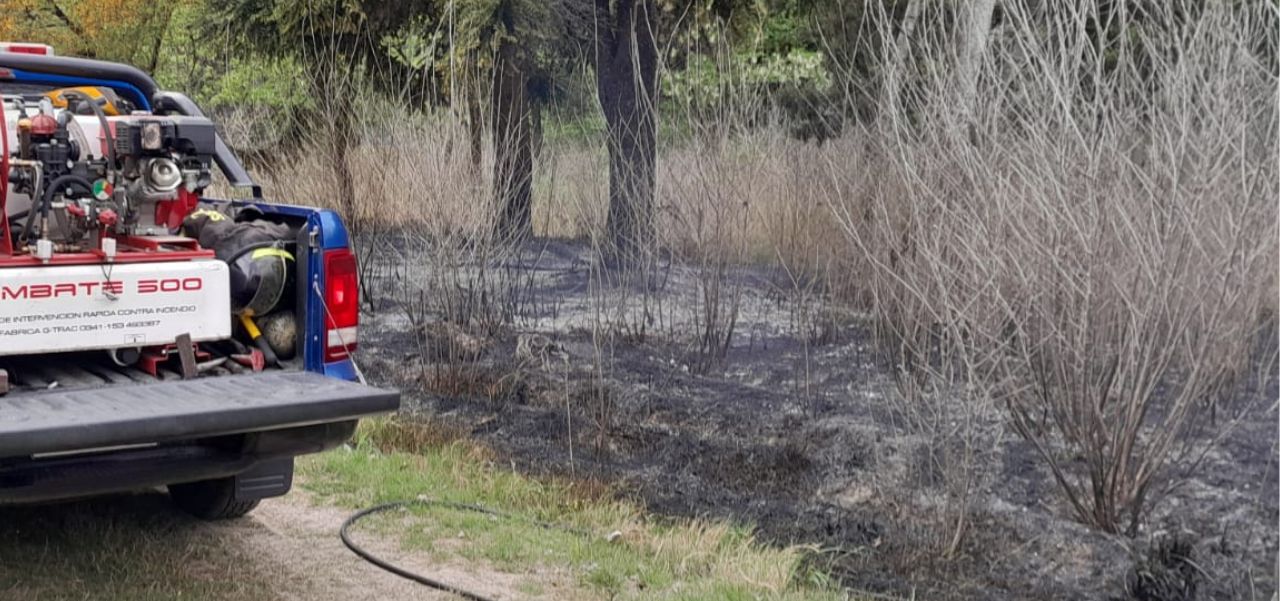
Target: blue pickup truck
[(130, 351)]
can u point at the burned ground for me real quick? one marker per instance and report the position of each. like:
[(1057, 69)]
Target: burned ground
[(794, 431)]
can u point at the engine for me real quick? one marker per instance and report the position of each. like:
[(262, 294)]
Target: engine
[(84, 174), (101, 222)]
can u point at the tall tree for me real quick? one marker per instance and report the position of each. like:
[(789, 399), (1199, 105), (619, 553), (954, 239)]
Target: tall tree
[(509, 36), (626, 83), (514, 42), (512, 138), (626, 36)]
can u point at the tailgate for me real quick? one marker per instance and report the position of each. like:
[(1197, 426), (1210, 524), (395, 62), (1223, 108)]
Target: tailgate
[(69, 420)]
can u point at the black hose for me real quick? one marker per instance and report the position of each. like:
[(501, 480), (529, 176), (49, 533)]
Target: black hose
[(30, 220), (108, 139), (419, 578), (18, 234), (19, 215), (52, 190)]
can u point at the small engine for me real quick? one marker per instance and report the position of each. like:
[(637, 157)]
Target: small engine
[(81, 175), (103, 231)]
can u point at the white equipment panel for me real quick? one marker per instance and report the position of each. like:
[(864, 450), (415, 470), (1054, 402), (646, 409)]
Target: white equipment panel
[(84, 307)]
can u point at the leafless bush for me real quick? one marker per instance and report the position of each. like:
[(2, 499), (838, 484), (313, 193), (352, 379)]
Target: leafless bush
[(1091, 245)]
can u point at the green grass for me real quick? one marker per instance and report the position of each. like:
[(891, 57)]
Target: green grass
[(652, 559), (127, 548)]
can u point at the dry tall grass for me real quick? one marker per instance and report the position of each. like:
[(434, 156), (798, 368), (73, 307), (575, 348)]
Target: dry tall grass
[(1088, 250)]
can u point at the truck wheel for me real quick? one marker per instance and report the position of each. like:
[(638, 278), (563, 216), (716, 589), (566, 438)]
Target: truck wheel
[(210, 499)]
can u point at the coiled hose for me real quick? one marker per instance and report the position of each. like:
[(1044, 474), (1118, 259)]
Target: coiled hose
[(364, 554)]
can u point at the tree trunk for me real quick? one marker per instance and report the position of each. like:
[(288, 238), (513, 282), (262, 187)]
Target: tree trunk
[(892, 78), (975, 21), (626, 83), (472, 92), (339, 136), (341, 139), (167, 17), (535, 129), (513, 158)]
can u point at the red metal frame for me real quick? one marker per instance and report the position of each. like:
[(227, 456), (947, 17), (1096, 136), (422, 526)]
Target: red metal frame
[(155, 357), (132, 249)]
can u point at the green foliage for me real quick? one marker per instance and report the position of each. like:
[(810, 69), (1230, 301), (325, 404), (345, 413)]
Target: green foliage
[(200, 64), (117, 30), (703, 83), (536, 27), (337, 41), (277, 84), (713, 22), (416, 46), (783, 32), (282, 26)]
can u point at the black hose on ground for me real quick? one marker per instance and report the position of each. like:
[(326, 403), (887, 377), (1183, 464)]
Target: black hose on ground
[(419, 578)]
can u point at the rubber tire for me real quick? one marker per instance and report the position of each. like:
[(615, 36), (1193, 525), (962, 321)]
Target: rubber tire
[(210, 499)]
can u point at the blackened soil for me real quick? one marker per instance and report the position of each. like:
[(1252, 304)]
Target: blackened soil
[(793, 433)]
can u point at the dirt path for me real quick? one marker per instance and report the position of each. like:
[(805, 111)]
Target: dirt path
[(137, 547), (295, 542)]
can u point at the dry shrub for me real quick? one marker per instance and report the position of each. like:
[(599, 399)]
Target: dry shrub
[(421, 210), (1165, 571), (731, 192), (496, 384), (571, 185), (1092, 248), (410, 171)]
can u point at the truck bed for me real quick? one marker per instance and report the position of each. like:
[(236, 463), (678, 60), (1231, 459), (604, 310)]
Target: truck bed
[(126, 408), (38, 373)]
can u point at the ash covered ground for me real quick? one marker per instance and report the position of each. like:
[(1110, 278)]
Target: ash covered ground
[(796, 429)]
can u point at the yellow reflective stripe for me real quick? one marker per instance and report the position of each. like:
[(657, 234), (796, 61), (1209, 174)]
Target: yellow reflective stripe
[(210, 213), (271, 252)]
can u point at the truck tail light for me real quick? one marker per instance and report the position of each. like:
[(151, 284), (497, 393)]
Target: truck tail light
[(342, 303), (21, 48)]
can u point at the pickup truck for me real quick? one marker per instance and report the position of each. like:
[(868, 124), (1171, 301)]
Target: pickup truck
[(130, 352)]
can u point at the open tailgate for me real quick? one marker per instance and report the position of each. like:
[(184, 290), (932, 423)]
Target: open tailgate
[(70, 420)]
